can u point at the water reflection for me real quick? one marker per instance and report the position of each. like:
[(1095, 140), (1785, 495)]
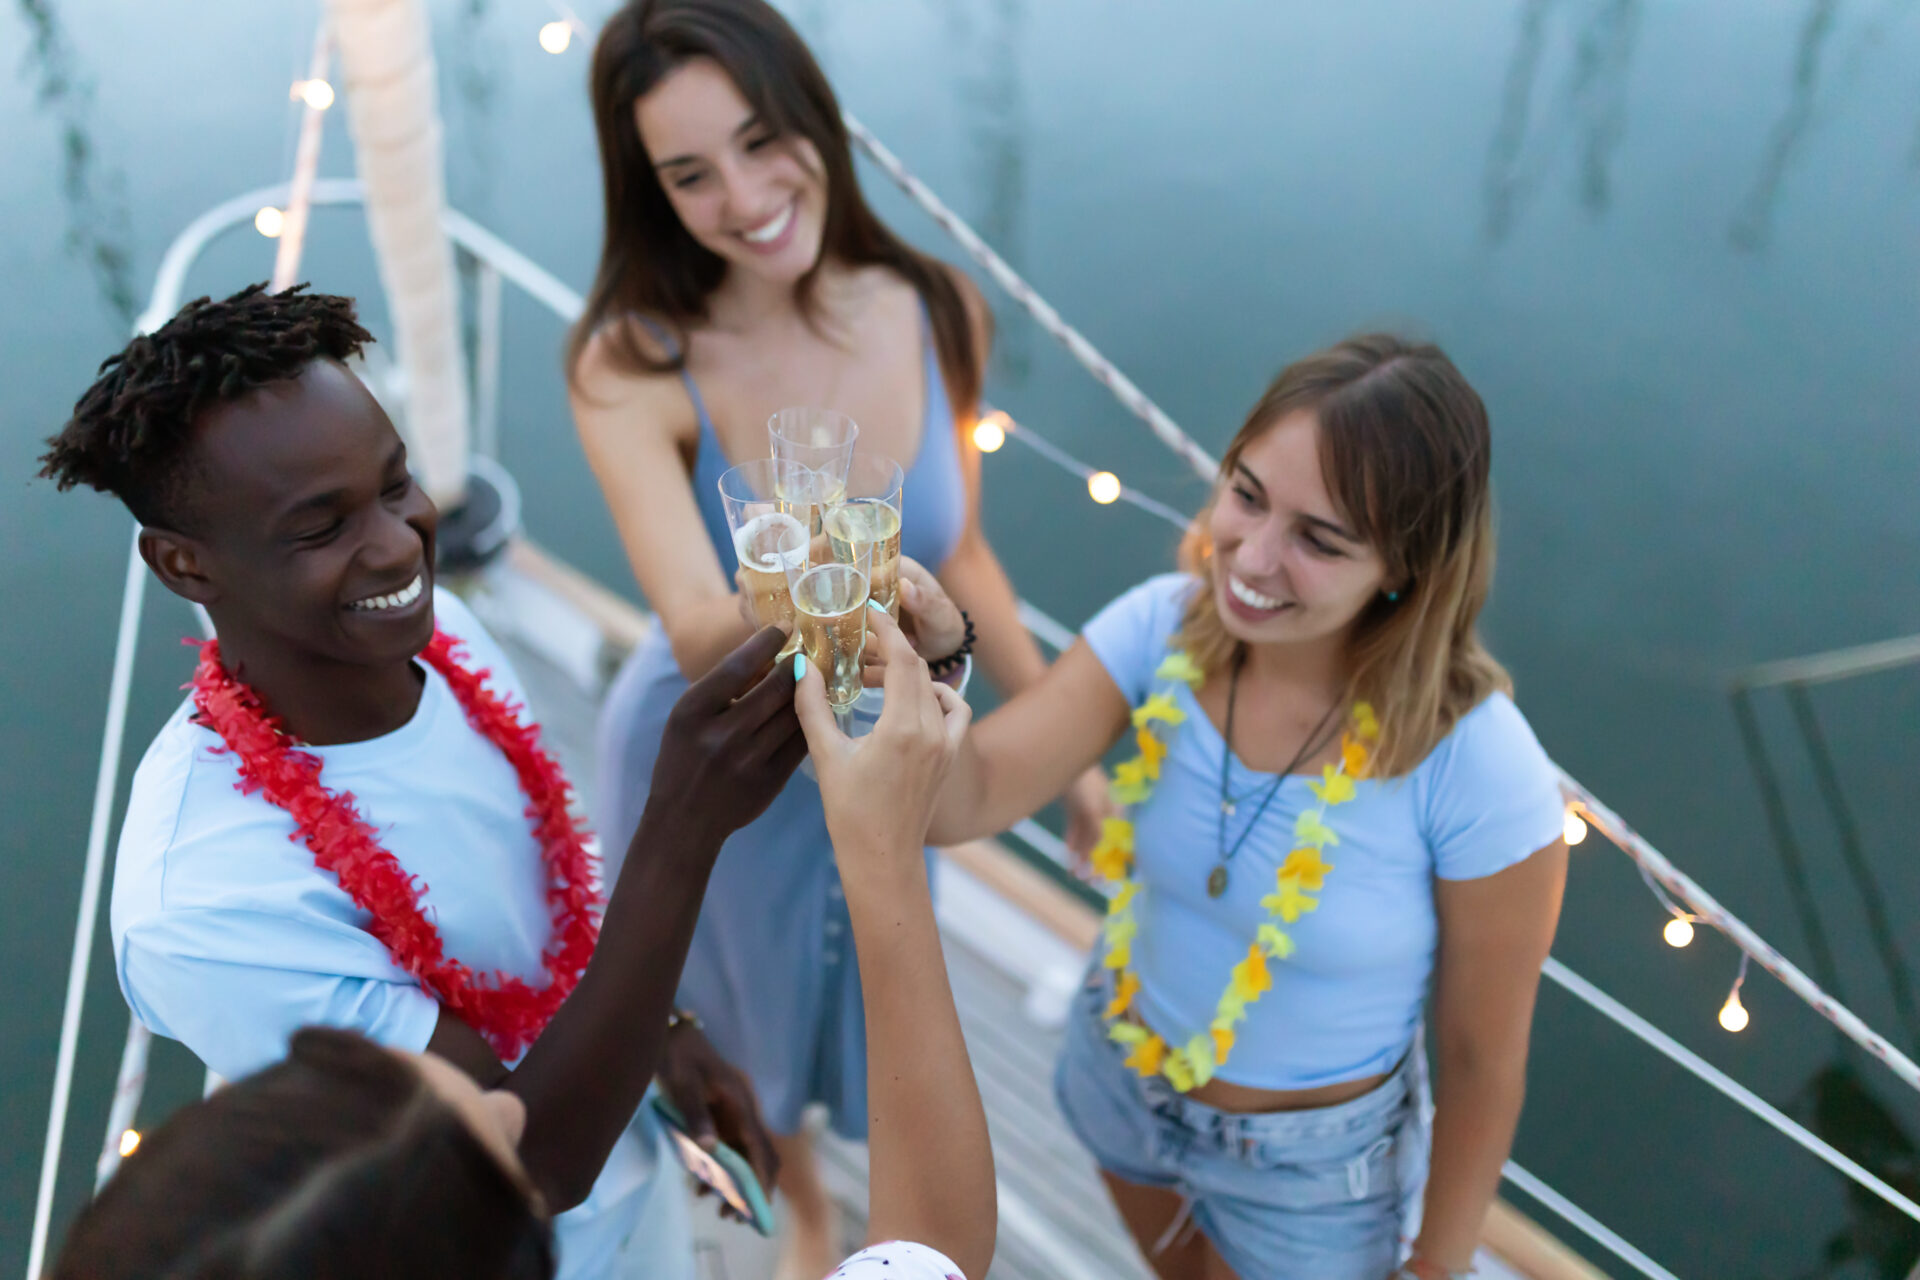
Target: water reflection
[(1786, 844), (1502, 181), (1602, 58), (1592, 106), (1838, 1104), (1752, 224), (474, 68), (99, 228), (814, 18), (993, 109), (1873, 898), (1840, 815)]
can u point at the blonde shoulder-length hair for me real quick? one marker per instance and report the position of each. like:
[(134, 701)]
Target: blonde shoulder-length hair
[(1405, 453)]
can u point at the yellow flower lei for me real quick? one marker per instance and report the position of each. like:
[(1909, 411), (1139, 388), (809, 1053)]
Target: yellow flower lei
[(1302, 875)]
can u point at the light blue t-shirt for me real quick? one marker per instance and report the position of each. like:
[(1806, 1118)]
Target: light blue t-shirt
[(228, 938), (1345, 1004)]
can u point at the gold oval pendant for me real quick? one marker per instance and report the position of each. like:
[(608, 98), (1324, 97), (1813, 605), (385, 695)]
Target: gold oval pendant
[(1217, 881)]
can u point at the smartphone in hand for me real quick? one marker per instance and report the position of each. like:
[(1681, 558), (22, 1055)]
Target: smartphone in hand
[(723, 1170)]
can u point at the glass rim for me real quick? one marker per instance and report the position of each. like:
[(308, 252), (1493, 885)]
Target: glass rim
[(812, 415), (796, 576), (896, 481), (769, 468)]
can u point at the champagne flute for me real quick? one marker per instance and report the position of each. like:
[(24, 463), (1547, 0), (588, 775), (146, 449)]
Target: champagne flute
[(819, 439), (830, 607), (867, 518), (770, 506)]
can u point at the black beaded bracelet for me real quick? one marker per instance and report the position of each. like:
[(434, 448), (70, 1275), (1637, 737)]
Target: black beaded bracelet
[(942, 666)]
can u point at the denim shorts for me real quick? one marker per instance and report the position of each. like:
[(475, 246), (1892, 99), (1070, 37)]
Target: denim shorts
[(1324, 1194)]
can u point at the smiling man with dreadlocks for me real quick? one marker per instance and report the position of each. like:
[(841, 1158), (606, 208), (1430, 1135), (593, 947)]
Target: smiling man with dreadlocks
[(350, 823)]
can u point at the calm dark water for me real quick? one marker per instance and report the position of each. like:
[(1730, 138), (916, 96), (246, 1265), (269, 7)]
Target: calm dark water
[(1674, 245)]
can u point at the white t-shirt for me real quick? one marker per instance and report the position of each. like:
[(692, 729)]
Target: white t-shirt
[(898, 1260), (227, 938)]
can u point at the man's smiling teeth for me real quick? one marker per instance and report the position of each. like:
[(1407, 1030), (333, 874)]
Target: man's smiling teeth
[(398, 600), (772, 229), (1248, 596)]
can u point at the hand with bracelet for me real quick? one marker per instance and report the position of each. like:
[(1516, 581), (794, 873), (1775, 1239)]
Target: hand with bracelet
[(943, 635), (939, 630)]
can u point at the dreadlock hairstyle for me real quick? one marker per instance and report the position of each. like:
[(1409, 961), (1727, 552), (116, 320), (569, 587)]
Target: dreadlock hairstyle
[(129, 433)]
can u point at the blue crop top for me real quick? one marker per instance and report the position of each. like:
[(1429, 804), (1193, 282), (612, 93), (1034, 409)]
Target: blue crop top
[(1345, 1004)]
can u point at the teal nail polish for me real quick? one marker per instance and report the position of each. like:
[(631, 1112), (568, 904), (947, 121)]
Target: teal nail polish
[(799, 667), (875, 605)]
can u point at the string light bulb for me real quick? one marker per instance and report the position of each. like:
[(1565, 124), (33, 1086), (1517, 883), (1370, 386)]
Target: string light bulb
[(1733, 1014), (129, 1143), (991, 431), (1104, 487), (1575, 828), (1679, 931), (555, 36), (317, 94), (269, 222)]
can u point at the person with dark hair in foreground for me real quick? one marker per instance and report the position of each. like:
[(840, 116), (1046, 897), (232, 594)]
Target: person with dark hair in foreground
[(353, 1161), (350, 823), (346, 1159)]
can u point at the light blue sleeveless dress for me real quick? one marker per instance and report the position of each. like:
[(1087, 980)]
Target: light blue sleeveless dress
[(772, 972)]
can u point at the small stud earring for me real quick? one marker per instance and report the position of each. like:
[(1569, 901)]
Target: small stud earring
[(1392, 597)]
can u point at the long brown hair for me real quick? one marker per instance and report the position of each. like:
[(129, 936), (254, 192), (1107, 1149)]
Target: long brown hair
[(339, 1163), (1406, 453), (651, 266)]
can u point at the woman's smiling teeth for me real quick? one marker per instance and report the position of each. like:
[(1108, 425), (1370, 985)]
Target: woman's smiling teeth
[(1246, 595), (396, 600), (772, 229)]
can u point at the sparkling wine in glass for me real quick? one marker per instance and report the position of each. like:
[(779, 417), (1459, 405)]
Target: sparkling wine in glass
[(830, 601), (865, 520), (818, 439), (830, 605), (770, 506)]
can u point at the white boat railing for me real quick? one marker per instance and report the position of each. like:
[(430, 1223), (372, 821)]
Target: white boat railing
[(106, 785), (498, 263)]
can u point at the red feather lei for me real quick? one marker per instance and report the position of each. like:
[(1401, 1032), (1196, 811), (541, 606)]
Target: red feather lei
[(504, 1009)]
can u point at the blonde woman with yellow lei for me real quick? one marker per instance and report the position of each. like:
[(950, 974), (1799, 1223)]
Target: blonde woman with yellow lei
[(1337, 828)]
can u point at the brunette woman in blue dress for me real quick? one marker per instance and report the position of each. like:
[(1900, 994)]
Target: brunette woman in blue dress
[(743, 272)]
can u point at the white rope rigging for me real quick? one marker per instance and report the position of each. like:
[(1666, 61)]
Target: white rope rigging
[(1132, 397), (1707, 909), (1067, 462)]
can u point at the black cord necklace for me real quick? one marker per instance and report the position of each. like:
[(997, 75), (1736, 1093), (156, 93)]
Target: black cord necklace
[(1217, 878)]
